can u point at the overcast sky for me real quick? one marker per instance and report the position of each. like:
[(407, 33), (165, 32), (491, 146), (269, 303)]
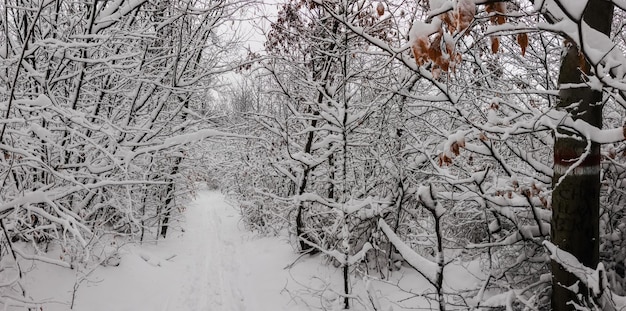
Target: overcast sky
[(255, 20)]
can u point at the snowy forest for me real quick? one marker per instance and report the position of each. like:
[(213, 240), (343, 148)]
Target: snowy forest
[(410, 155)]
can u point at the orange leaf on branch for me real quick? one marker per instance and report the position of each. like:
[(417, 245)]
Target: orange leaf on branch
[(455, 148), (464, 14), (437, 56), (444, 160), (522, 40), (450, 19), (499, 8), (380, 9), (495, 45), (461, 142), (434, 52), (420, 49)]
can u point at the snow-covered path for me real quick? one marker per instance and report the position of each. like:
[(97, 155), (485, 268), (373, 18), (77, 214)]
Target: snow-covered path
[(211, 277), (209, 262), (226, 267)]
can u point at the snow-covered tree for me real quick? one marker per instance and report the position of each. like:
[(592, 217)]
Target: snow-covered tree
[(100, 101), (472, 135)]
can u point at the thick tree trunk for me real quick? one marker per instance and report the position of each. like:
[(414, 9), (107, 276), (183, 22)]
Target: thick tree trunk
[(576, 195)]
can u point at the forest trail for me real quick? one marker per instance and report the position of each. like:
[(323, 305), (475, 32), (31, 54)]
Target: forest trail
[(226, 267), (208, 262), (212, 272)]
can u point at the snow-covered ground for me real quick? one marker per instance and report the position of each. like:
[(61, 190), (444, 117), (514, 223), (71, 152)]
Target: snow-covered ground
[(210, 262)]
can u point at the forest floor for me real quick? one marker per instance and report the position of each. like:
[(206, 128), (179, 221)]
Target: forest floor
[(210, 262)]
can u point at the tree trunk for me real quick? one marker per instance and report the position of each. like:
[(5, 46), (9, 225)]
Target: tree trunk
[(576, 196), (170, 196)]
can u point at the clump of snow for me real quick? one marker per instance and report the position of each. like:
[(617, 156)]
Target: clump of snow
[(421, 29), (575, 8), (424, 266)]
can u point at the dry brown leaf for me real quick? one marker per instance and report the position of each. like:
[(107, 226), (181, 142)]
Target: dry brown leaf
[(461, 142), (501, 11), (455, 148), (465, 12), (534, 189), (522, 40), (434, 52), (495, 45), (380, 9), (450, 19), (499, 8), (444, 160), (420, 49), (483, 137)]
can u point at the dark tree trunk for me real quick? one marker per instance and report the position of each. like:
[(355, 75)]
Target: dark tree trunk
[(170, 196), (300, 231), (576, 196)]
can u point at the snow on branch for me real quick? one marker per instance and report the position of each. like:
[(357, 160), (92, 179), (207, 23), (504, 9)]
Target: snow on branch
[(594, 280), (183, 139), (554, 119), (425, 267), (601, 51), (505, 299), (524, 233), (370, 206), (425, 195), (340, 256), (114, 12), (43, 259), (595, 134)]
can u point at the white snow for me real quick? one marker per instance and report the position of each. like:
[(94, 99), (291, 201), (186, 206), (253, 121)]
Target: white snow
[(183, 139), (575, 8), (211, 262), (426, 267), (421, 29)]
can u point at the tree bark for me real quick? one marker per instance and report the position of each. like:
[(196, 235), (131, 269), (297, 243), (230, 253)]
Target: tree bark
[(576, 195)]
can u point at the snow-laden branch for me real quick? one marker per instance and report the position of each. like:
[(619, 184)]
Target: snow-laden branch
[(341, 256), (602, 52), (425, 267), (555, 118), (368, 204), (114, 12), (183, 139), (594, 280), (425, 195), (43, 259)]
